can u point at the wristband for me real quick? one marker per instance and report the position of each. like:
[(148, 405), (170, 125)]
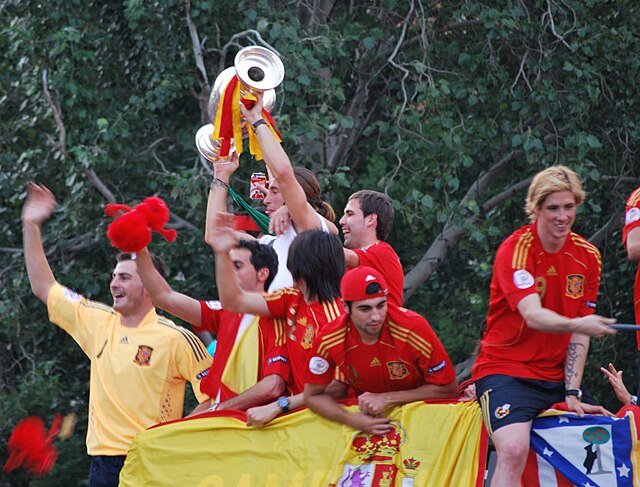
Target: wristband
[(217, 182), (213, 407), (257, 123), (634, 400)]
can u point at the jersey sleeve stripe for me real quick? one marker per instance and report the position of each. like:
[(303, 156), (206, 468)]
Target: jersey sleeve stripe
[(280, 327), (521, 250), (634, 199), (194, 342), (95, 305)]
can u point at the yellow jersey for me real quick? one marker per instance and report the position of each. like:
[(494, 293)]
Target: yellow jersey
[(138, 375)]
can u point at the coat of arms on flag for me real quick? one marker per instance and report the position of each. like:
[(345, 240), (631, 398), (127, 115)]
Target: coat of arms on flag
[(591, 451)]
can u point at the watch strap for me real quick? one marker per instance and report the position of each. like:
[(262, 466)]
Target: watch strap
[(573, 392)]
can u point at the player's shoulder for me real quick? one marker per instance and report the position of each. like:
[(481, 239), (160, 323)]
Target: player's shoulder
[(634, 198), (181, 339), (403, 318), (583, 245)]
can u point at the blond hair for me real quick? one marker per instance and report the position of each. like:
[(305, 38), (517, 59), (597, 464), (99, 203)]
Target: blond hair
[(551, 180)]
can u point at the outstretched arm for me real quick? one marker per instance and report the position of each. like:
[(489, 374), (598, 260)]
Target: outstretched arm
[(232, 296), (543, 319), (217, 202), (164, 297), (303, 215), (38, 208)]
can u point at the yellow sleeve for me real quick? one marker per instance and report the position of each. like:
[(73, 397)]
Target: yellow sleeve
[(192, 361), (77, 315)]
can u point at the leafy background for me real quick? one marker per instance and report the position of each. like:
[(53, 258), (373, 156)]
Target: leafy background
[(449, 107)]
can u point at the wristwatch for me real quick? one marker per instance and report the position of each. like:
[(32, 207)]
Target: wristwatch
[(633, 400), (283, 403), (574, 392), (213, 407)]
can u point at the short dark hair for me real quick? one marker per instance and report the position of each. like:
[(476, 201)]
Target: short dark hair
[(317, 258), (262, 256), (158, 263), (380, 204)]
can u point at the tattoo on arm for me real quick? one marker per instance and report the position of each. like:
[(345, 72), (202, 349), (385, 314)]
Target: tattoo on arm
[(573, 354)]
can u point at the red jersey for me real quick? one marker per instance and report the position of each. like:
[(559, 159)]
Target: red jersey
[(384, 259), (273, 357), (407, 355), (631, 221), (303, 321), (567, 282)]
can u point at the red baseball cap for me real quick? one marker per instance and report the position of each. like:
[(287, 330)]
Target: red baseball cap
[(356, 282)]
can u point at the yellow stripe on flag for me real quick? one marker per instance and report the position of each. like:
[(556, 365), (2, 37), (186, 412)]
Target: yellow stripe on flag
[(241, 370)]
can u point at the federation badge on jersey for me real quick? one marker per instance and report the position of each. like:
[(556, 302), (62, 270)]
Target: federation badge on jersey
[(309, 335), (502, 411), (523, 279), (575, 286), (318, 365), (397, 370), (143, 356), (632, 215)]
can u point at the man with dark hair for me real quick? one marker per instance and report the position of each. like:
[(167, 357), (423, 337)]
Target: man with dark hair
[(366, 223), (388, 355), (250, 367), (140, 362), (316, 263), (541, 314)]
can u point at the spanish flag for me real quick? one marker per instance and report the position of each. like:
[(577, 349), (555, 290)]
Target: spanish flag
[(431, 444)]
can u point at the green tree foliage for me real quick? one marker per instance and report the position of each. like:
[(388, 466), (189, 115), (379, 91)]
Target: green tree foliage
[(450, 108)]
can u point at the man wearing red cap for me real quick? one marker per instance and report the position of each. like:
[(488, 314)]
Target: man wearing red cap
[(388, 355)]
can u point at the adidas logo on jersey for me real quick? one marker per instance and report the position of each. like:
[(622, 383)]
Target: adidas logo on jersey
[(375, 362), (124, 340), (551, 271)]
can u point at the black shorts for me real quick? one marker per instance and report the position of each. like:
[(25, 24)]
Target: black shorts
[(507, 400)]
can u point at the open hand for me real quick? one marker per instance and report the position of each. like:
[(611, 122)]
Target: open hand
[(39, 205)]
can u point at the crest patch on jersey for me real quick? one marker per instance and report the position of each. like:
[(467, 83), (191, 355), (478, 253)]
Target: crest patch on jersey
[(632, 215), (502, 411), (143, 356), (523, 279), (575, 286), (318, 365), (397, 370)]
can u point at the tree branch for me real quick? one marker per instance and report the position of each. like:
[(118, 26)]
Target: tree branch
[(57, 115)]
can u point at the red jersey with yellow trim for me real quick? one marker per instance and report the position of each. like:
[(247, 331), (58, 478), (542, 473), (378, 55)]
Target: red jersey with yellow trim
[(631, 221), (567, 282), (303, 322), (407, 355), (384, 259), (272, 350)]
